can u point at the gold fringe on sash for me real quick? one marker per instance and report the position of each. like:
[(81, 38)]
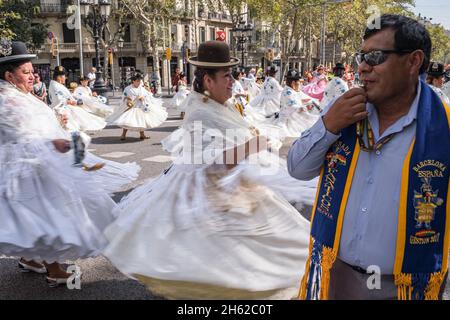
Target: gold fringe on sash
[(304, 281), (328, 259), (434, 286), (403, 281)]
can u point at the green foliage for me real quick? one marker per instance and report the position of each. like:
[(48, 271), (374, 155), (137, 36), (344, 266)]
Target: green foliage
[(17, 22), (441, 43)]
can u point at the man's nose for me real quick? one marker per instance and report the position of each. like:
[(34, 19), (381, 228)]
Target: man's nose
[(364, 68)]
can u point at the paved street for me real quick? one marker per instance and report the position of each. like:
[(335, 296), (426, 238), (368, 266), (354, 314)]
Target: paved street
[(100, 279)]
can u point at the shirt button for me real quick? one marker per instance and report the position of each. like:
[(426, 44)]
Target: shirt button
[(378, 152), (370, 180), (364, 209)]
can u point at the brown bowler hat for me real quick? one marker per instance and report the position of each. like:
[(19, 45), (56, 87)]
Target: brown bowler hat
[(214, 55)]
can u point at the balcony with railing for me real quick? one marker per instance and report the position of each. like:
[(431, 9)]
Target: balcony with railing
[(54, 7), (88, 47)]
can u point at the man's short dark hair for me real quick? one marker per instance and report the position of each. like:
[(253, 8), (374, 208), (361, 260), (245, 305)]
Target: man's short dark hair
[(409, 35)]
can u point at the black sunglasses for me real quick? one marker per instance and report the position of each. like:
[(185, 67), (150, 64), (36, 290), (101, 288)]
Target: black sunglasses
[(376, 57)]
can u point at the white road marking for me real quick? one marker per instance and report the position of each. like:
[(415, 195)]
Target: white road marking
[(117, 154), (159, 158)]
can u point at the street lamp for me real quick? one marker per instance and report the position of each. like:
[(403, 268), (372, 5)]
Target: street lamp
[(242, 33), (101, 10), (120, 45)]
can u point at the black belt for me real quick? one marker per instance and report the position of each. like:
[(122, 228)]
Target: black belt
[(356, 268)]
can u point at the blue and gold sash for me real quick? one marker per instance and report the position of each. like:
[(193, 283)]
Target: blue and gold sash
[(424, 210)]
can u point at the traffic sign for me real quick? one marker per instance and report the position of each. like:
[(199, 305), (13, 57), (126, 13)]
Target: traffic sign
[(50, 35), (221, 35)]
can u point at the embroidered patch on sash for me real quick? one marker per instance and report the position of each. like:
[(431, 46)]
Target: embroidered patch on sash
[(426, 201), (335, 158)]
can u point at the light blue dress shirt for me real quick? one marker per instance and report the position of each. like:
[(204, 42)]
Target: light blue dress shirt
[(369, 232)]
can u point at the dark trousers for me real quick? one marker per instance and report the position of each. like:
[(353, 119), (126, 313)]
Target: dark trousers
[(346, 283)]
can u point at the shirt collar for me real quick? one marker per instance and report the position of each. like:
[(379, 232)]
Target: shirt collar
[(401, 123)]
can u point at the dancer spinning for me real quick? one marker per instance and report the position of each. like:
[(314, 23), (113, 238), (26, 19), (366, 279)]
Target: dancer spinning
[(294, 116), (336, 87), (51, 211), (220, 234), (181, 95), (60, 97), (139, 110), (268, 101), (91, 100)]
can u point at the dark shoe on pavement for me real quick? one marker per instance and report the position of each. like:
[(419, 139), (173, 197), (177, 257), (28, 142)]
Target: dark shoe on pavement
[(27, 266)]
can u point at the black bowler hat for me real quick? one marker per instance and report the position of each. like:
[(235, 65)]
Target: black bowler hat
[(214, 55), (293, 74), (436, 69), (272, 69), (14, 51), (59, 71), (83, 78)]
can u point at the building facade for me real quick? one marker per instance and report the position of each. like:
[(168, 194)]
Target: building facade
[(194, 23), (194, 26)]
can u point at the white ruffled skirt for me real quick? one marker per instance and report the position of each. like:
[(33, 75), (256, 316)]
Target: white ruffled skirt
[(84, 120), (94, 106), (50, 210), (177, 100), (136, 119), (293, 121), (266, 105), (199, 232)]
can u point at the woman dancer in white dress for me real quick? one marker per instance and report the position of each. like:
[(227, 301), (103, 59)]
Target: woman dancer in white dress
[(294, 116), (91, 100), (51, 211), (139, 110), (250, 86), (181, 95), (435, 78), (60, 97), (208, 230), (268, 101), (336, 87)]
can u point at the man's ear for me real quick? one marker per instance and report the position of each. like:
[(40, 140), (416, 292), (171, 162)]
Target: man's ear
[(415, 60)]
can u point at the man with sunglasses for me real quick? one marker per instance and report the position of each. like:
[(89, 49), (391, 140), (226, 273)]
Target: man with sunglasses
[(380, 228)]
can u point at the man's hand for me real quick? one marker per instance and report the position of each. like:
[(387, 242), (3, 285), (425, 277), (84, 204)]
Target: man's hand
[(72, 103), (141, 98), (348, 109), (94, 94), (61, 145)]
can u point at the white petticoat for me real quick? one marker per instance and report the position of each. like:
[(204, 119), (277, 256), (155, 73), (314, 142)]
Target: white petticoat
[(177, 100), (84, 120), (266, 105), (136, 119), (49, 209), (94, 106), (293, 122), (200, 233)]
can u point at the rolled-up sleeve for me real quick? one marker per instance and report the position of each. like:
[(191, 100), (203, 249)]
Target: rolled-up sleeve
[(306, 155)]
